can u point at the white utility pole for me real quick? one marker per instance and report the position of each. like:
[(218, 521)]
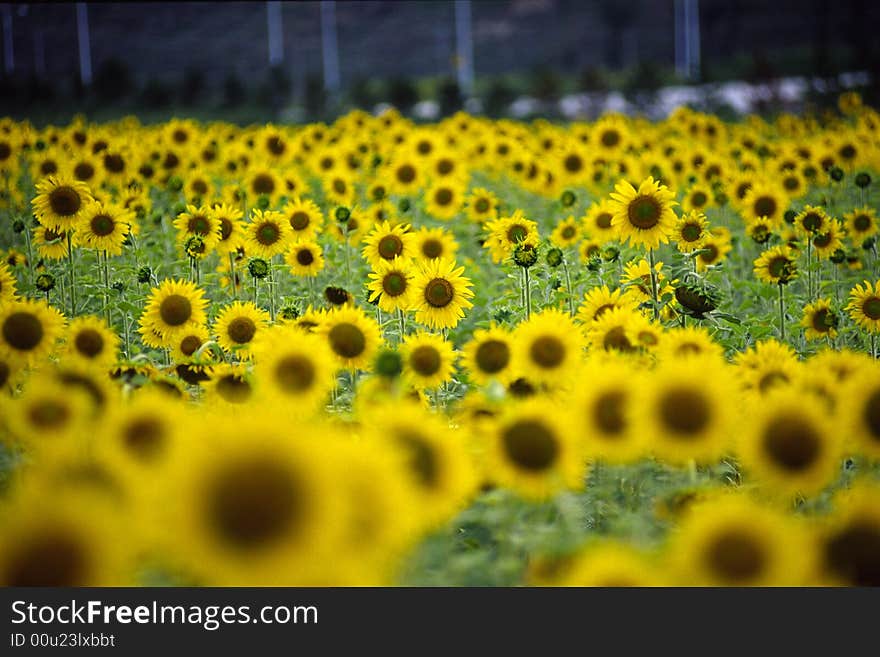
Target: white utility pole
[(464, 48), (275, 29), (85, 49), (329, 48)]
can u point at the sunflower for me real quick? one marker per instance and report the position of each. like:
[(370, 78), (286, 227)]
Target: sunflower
[(7, 284), (598, 221), (175, 307), (789, 446), (864, 306), (261, 181), (535, 452), (352, 336), (687, 410), (610, 563), (294, 367), (28, 330), (339, 188), (715, 248), (305, 258), (198, 222), (566, 233), (60, 202), (767, 365), (488, 356), (436, 464), (386, 242), (256, 502), (433, 243), (482, 205), (861, 224), (760, 230), (237, 325), (391, 285), (90, 339), (589, 250), (764, 199), (548, 348), (849, 541), (819, 320), (305, 218), (603, 412), (267, 234), (46, 414), (505, 233), (688, 342), (698, 198), (861, 410), (428, 359), (600, 299), (104, 227), (444, 199), (826, 243), (441, 293), (187, 343), (230, 228), (733, 541), (63, 541), (643, 216), (404, 176), (610, 331), (776, 265), (610, 135), (690, 232), (230, 387), (812, 221)]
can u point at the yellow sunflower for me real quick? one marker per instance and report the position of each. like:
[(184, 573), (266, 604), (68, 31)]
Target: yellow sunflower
[(820, 320), (391, 285), (305, 218), (305, 258), (198, 222), (428, 359), (548, 348), (691, 231), (598, 221), (28, 330), (50, 243), (488, 356), (7, 284), (267, 234), (600, 299), (441, 293), (566, 233), (237, 325), (230, 228), (386, 242), (174, 307), (433, 243), (860, 410), (848, 542), (352, 336), (505, 233), (60, 202), (643, 216), (764, 199), (90, 339), (864, 306), (482, 205), (104, 227), (776, 265), (861, 224)]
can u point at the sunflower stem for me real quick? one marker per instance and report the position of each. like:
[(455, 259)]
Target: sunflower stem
[(106, 269), (255, 290), (527, 293), (653, 283), (809, 269), (72, 272), (568, 286), (347, 265), (692, 471), (873, 346), (781, 313), (30, 257), (272, 291), (232, 277), (402, 319)]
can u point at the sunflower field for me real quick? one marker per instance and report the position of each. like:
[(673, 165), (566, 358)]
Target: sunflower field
[(477, 352)]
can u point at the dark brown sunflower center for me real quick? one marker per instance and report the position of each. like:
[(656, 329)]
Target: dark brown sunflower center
[(5, 371), (144, 437), (871, 308), (530, 445), (778, 266), (492, 356), (394, 284), (517, 233), (241, 330), (616, 338), (83, 171), (340, 186), (610, 138), (48, 557), (102, 225), (275, 145), (568, 232), (190, 344), (862, 223), (268, 234), (423, 459), (821, 321), (299, 220), (547, 352), (443, 196), (65, 201), (347, 340), (482, 205), (234, 389), (22, 331), (432, 248), (305, 257), (872, 414), (49, 414), (5, 151), (263, 184), (198, 225), (180, 136), (295, 373), (573, 163), (812, 222), (644, 212), (691, 232), (439, 293), (114, 163), (604, 220), (847, 152), (226, 228), (175, 310), (685, 411), (853, 553), (735, 556), (792, 443), (200, 187), (425, 360), (48, 167), (698, 199), (171, 161), (50, 235), (765, 206), (608, 412), (253, 503), (406, 174), (390, 246), (89, 342), (791, 183)]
